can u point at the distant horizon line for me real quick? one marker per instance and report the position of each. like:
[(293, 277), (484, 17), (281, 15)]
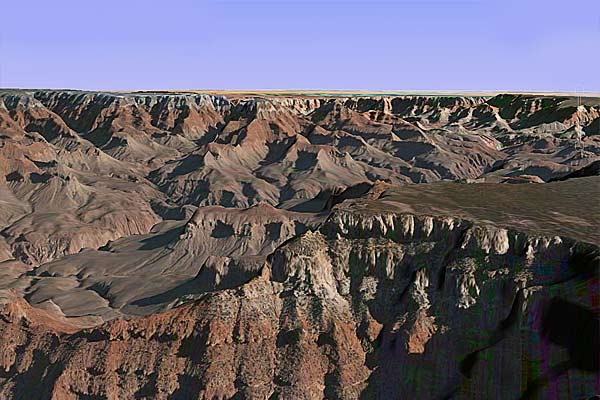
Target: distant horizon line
[(323, 92)]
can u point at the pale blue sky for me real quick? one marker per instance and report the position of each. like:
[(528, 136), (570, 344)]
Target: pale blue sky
[(291, 44)]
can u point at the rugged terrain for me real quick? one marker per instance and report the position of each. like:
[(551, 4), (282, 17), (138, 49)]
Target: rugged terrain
[(182, 245)]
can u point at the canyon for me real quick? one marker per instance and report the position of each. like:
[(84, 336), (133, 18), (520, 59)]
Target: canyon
[(182, 245)]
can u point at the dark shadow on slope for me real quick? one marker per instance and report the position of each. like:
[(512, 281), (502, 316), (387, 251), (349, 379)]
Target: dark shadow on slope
[(14, 176), (593, 128), (189, 164), (352, 192), (328, 198), (148, 389), (468, 363), (189, 387), (306, 160), (277, 150), (575, 329), (592, 169), (37, 382), (43, 165), (162, 240), (222, 230), (228, 199), (39, 178), (409, 150), (316, 204), (238, 273), (210, 136), (565, 324)]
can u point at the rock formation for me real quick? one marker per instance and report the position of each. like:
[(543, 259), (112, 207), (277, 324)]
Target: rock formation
[(191, 246)]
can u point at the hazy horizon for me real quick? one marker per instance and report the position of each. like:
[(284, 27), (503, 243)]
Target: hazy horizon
[(347, 45), (326, 92)]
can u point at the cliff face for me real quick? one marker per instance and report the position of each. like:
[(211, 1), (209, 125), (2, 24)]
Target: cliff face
[(375, 304), (179, 246)]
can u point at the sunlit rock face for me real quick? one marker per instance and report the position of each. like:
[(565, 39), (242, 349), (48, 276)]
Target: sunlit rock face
[(191, 246)]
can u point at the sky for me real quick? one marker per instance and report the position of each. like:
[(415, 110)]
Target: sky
[(527, 45)]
